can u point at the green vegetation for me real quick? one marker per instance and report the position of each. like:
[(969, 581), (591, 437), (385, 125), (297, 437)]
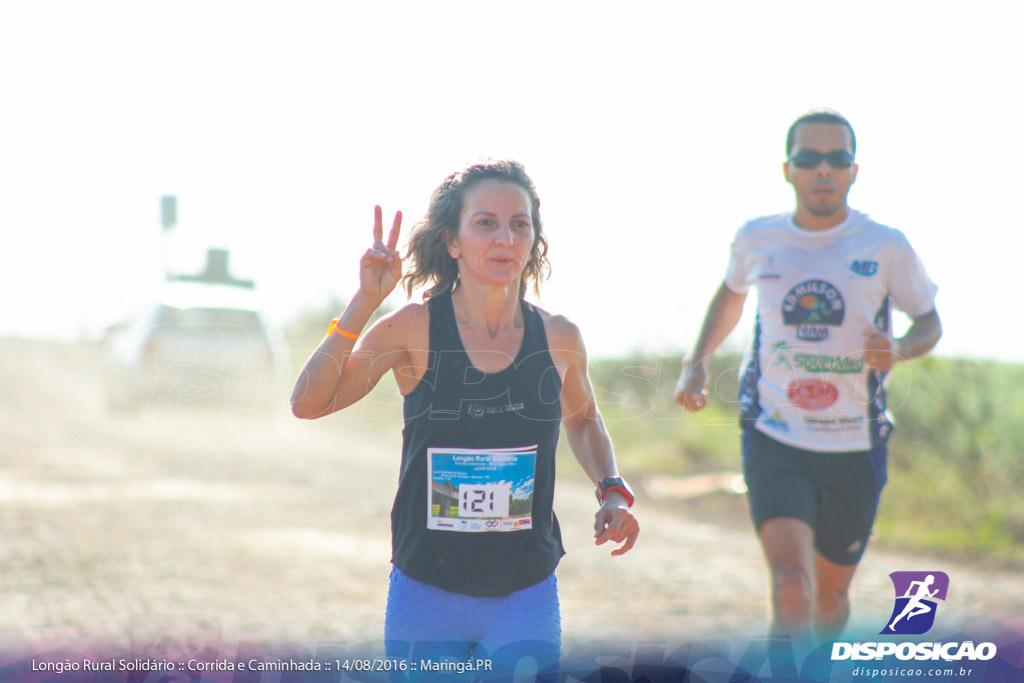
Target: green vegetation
[(956, 469), (956, 460), (651, 432), (304, 334), (306, 330)]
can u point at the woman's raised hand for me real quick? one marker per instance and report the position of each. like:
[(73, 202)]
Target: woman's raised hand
[(380, 268)]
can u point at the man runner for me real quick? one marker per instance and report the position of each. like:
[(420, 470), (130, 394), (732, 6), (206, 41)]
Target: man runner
[(812, 386)]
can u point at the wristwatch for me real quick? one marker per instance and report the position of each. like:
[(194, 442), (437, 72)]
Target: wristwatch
[(614, 484)]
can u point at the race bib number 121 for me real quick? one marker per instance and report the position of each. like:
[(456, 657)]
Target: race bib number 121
[(476, 490)]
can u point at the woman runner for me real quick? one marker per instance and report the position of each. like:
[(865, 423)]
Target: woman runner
[(487, 378)]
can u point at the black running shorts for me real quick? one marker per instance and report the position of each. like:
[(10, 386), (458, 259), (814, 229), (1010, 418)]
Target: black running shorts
[(836, 494)]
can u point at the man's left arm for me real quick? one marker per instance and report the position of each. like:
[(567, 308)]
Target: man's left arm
[(913, 292), (882, 352)]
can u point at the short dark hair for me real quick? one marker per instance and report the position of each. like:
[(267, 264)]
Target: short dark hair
[(431, 262), (822, 115)]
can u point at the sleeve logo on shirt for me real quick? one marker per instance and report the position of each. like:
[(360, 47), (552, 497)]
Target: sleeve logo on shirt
[(865, 268), (768, 270), (813, 306)]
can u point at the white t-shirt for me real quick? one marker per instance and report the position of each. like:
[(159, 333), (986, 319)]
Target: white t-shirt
[(803, 382)]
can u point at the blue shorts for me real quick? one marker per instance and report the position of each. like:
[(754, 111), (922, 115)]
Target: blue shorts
[(516, 634)]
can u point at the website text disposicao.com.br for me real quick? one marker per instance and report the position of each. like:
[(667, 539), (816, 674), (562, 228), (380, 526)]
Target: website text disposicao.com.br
[(907, 672), (959, 658)]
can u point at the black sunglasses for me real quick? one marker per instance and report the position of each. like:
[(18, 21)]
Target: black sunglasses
[(838, 158)]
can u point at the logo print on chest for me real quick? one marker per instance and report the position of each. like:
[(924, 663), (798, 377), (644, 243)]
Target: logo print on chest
[(813, 306), (811, 394)]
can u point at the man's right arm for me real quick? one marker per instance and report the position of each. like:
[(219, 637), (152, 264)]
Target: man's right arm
[(723, 314)]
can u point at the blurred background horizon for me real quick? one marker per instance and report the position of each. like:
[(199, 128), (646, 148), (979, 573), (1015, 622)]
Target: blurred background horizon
[(652, 133), (159, 481)]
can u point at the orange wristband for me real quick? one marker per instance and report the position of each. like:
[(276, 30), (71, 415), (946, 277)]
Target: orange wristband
[(334, 328)]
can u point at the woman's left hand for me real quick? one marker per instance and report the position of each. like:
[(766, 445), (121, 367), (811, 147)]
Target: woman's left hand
[(614, 522)]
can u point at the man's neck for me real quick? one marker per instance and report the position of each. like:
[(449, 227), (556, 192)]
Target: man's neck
[(806, 220)]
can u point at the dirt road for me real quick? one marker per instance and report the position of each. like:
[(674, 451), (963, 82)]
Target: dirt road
[(219, 525)]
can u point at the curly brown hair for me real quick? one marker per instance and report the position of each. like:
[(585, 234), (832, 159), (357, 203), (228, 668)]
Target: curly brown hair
[(428, 244)]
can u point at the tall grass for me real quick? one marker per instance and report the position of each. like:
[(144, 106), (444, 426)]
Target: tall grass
[(956, 459), (956, 469)]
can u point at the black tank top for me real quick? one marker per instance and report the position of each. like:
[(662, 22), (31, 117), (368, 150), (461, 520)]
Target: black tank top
[(473, 513)]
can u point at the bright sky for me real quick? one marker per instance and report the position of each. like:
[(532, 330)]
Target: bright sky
[(653, 130)]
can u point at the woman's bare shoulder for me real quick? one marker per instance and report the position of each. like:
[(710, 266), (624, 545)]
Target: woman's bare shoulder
[(562, 333), (403, 326)]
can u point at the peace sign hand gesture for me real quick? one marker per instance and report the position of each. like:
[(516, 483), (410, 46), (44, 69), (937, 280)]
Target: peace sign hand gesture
[(380, 268)]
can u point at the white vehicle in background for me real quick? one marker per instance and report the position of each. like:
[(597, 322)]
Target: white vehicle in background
[(202, 342)]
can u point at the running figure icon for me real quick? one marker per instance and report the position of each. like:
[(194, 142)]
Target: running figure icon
[(915, 605), (917, 594)]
